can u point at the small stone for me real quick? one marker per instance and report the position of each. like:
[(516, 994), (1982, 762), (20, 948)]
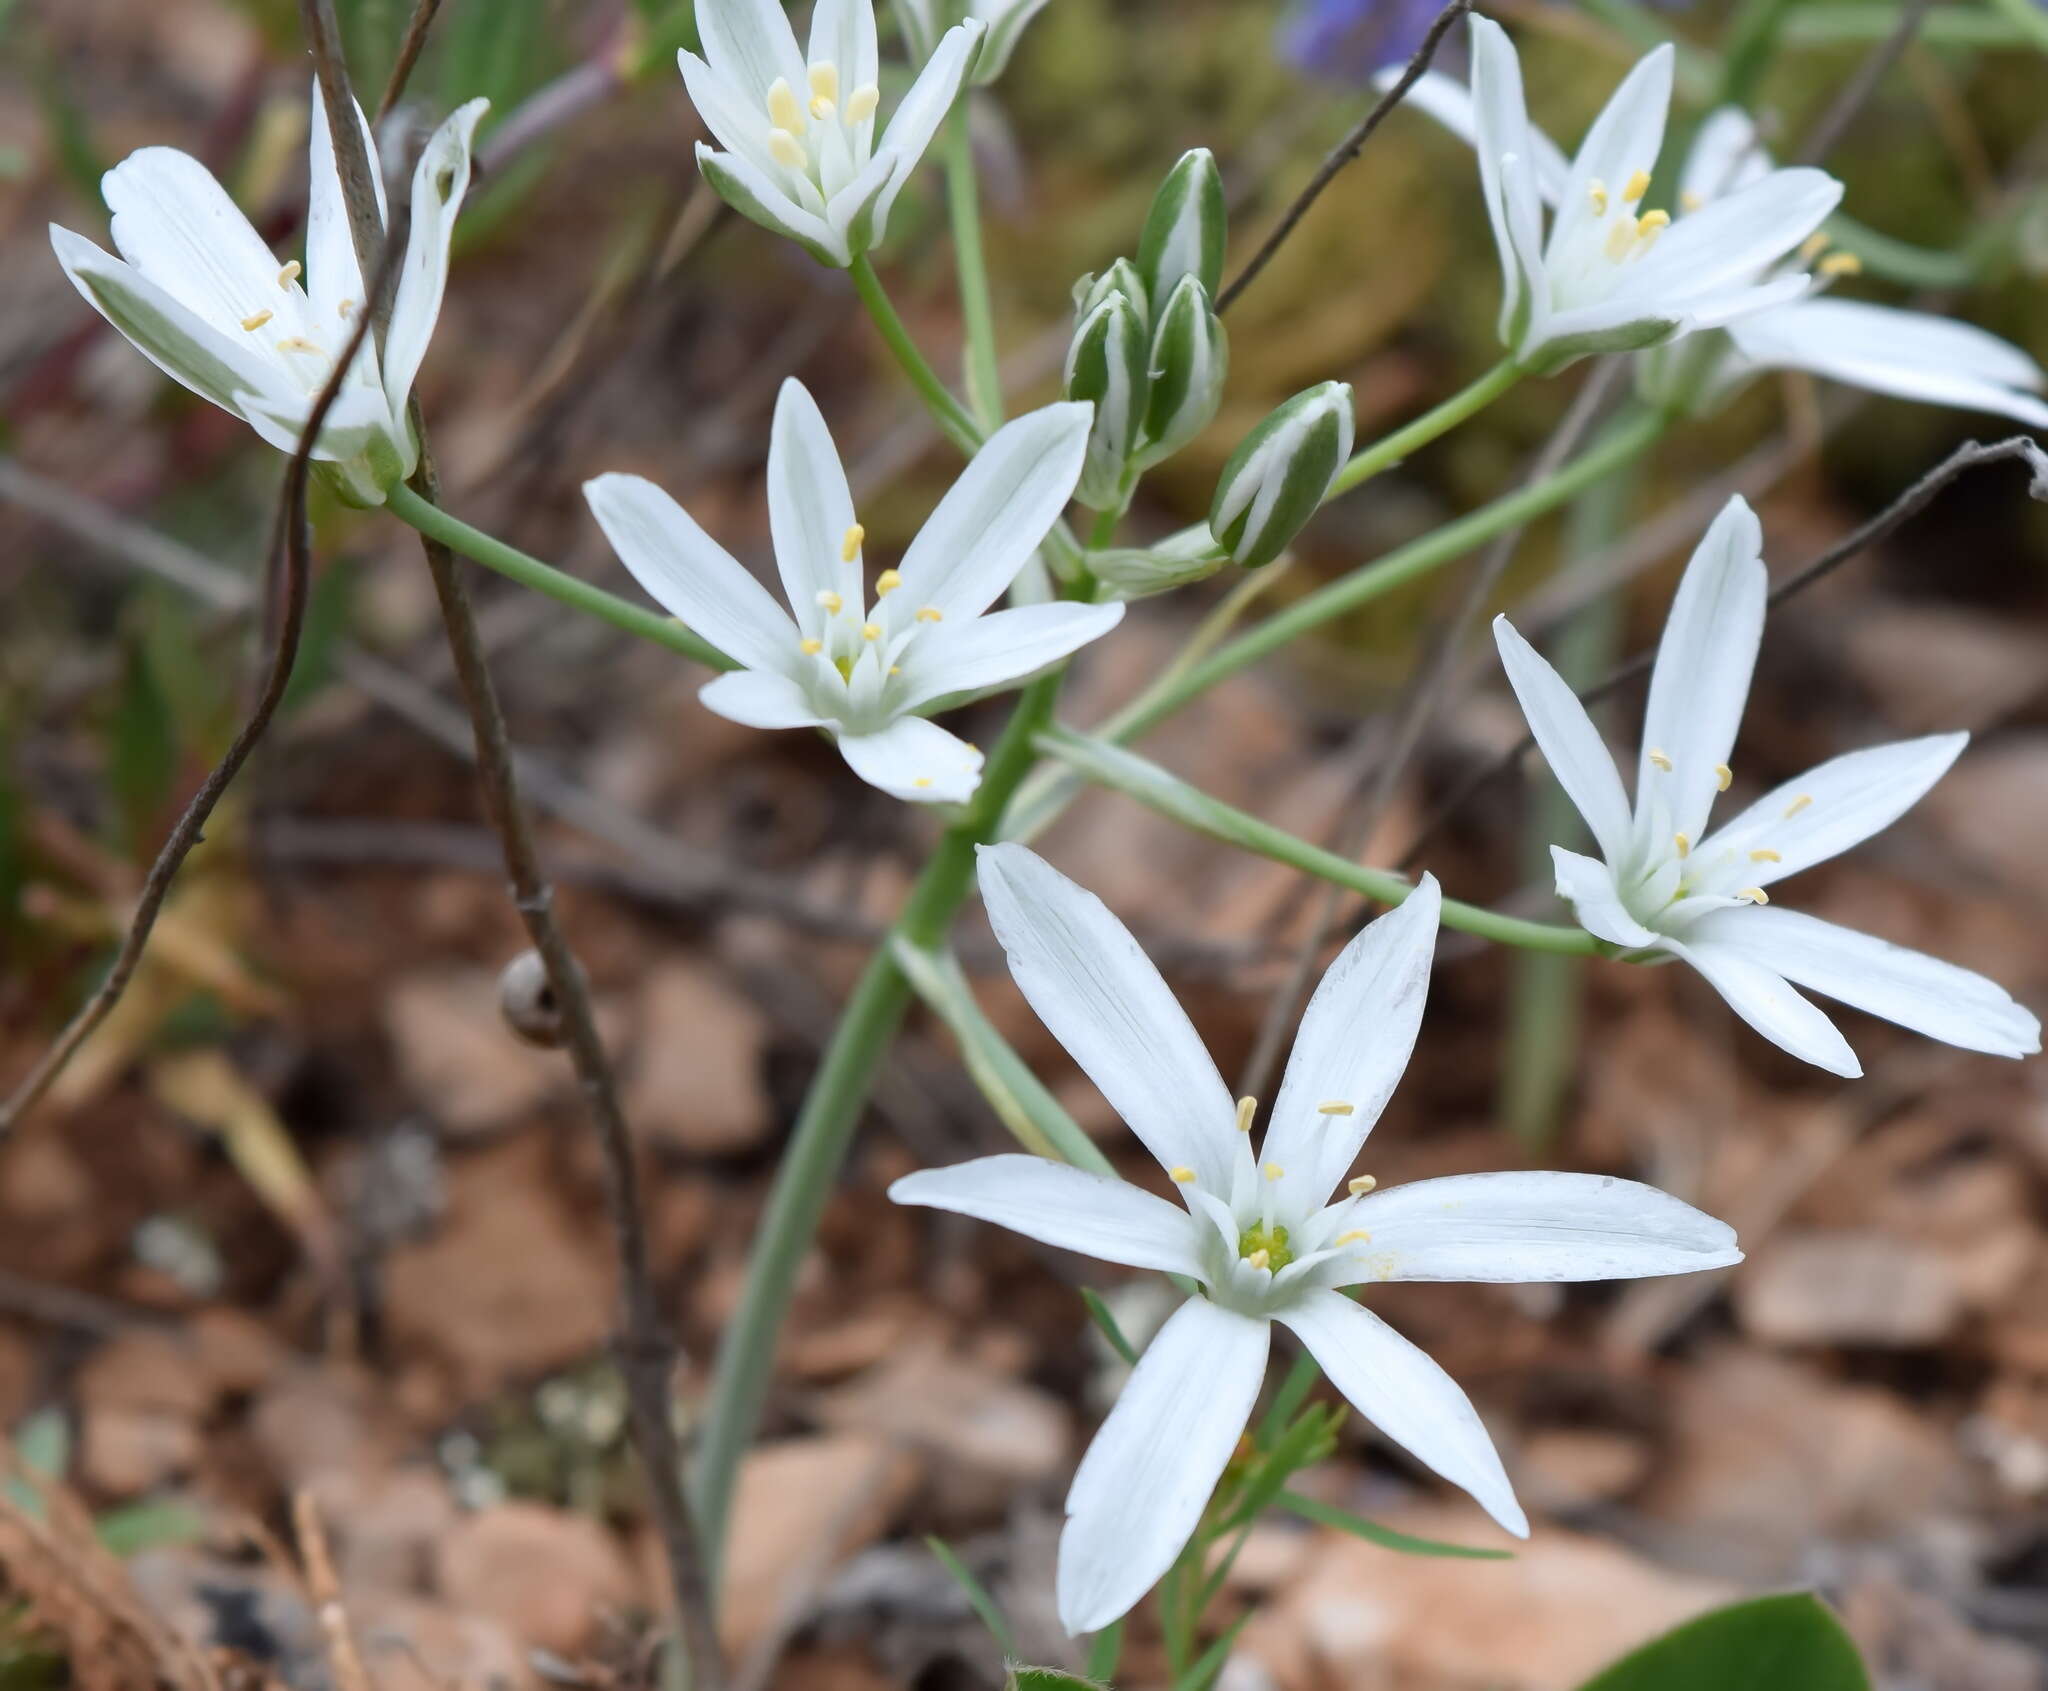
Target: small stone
[(698, 1077)]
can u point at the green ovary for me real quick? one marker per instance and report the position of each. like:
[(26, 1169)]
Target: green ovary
[(1272, 1240)]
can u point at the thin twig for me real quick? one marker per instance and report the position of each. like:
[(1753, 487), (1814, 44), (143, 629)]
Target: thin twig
[(646, 1353), (1417, 707), (1969, 456), (324, 1587), (290, 555), (1343, 153), (408, 55)]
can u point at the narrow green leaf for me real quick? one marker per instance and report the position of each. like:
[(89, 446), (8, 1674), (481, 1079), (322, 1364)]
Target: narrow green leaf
[(1329, 1515), (1786, 1643), (141, 752), (1105, 1649), (1210, 1662), (1050, 1679), (1100, 1312), (978, 1595), (1018, 1097), (155, 1525)]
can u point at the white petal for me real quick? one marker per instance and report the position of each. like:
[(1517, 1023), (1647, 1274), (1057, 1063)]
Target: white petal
[(843, 35), (1507, 172), (755, 194), (690, 574), (996, 515), (1704, 663), (174, 223), (439, 181), (915, 760), (738, 121), (1450, 102), (333, 273), (997, 648), (1626, 137), (1070, 1208), (810, 507), (1905, 353), (1728, 243), (1578, 757), (1907, 987), (760, 698), (1522, 1227), (1847, 799), (1102, 999), (1147, 1477), (1770, 1004), (917, 118), (1396, 1387), (1588, 886), (187, 348), (1725, 155), (750, 44), (1353, 1046)]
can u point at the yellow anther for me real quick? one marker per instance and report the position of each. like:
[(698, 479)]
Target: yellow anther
[(825, 81), (1336, 1107), (1637, 186), (1755, 895), (345, 309), (811, 648), (1360, 1184), (922, 781), (822, 108), (1259, 1258), (1724, 777), (1621, 238), (1812, 247), (886, 583), (256, 320), (296, 343), (831, 603), (1247, 1106), (1841, 264), (895, 669), (1797, 805), (1596, 191), (1660, 758), (1357, 1236), (1684, 844), (289, 274), (931, 613), (1273, 1171), (1181, 1176), (1689, 201), (786, 150), (850, 542), (871, 631), (861, 105), (1764, 854), (785, 111), (1648, 225)]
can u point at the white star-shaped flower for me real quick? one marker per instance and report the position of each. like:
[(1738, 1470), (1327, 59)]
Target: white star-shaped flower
[(870, 672), (201, 295), (1256, 1232), (1664, 883), (798, 128), (1611, 277)]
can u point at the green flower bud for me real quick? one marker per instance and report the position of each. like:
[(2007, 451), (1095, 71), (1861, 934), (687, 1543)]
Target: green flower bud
[(1190, 359), (1280, 473), (1184, 231), (1106, 366), (1120, 280), (1139, 572)]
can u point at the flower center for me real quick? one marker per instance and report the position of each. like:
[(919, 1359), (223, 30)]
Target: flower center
[(1264, 1245), (792, 141), (1629, 236)]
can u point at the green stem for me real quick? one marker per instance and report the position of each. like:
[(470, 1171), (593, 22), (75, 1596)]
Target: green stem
[(1945, 26), (960, 428), (824, 1127), (436, 524), (1627, 439), (977, 315), (1391, 449), (1153, 787), (2027, 18)]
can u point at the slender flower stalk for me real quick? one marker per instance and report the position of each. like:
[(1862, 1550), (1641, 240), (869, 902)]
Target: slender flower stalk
[(802, 149), (200, 294), (870, 670), (1664, 884), (1258, 1234)]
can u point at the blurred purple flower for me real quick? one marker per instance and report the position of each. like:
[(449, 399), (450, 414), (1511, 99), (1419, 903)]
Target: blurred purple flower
[(1347, 40)]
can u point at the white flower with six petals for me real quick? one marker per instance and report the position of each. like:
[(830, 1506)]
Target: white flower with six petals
[(870, 672), (1610, 277), (1665, 884), (201, 295), (797, 130), (1256, 1232)]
